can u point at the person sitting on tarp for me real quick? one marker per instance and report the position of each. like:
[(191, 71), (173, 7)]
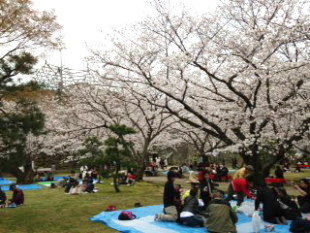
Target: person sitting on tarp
[(300, 226), (189, 214), (88, 186), (171, 201), (206, 188), (272, 212), (221, 216), (2, 198), (241, 188), (303, 187), (73, 182), (288, 207), (18, 196), (243, 172)]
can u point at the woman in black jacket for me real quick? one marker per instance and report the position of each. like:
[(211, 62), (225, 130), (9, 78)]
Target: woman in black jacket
[(189, 215)]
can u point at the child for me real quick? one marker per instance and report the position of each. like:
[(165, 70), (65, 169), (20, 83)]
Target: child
[(222, 218), (189, 215)]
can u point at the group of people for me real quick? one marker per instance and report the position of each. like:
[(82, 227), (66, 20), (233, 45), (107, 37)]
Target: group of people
[(220, 171), (205, 205), (43, 176), (210, 210), (72, 184), (16, 200), (127, 177)]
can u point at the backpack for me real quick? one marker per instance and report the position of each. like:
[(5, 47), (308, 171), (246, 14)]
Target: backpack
[(111, 208), (126, 215)]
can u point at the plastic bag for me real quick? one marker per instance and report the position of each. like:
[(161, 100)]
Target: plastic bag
[(247, 208), (256, 221)]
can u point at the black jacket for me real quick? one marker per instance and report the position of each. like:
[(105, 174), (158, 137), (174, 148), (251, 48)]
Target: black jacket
[(2, 197), (191, 204), (170, 194)]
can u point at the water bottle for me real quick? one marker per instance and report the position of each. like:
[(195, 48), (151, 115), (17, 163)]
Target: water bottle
[(256, 222)]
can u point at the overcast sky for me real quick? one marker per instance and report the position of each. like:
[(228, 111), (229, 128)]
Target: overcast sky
[(89, 21)]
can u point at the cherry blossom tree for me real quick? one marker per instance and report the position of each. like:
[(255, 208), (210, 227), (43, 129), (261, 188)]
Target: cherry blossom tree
[(102, 105), (240, 75)]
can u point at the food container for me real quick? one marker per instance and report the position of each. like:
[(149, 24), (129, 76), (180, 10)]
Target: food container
[(269, 228)]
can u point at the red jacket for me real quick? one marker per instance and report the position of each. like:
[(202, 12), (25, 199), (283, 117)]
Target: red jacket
[(201, 175), (241, 186)]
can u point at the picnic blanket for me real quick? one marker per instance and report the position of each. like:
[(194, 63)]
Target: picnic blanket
[(24, 187), (46, 183), (145, 223), (5, 181)]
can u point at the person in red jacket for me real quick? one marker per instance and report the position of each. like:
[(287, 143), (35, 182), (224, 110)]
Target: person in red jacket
[(241, 187)]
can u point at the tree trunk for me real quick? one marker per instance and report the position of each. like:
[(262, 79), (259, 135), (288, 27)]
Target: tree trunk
[(115, 179), (205, 159), (25, 177), (140, 172)]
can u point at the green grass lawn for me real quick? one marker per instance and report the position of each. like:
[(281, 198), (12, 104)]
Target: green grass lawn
[(51, 211)]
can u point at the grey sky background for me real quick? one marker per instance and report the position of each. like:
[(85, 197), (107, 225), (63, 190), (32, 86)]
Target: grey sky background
[(88, 22)]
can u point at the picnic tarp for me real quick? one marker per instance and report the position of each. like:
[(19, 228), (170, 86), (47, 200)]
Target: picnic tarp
[(5, 181), (46, 183), (23, 187), (144, 223)]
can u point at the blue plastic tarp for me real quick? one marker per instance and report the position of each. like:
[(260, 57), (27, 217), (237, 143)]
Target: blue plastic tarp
[(145, 223), (23, 187), (5, 181)]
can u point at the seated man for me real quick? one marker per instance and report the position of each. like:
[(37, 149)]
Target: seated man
[(272, 212), (2, 198), (221, 216), (303, 187), (18, 196), (288, 207), (189, 215), (171, 201), (241, 188)]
